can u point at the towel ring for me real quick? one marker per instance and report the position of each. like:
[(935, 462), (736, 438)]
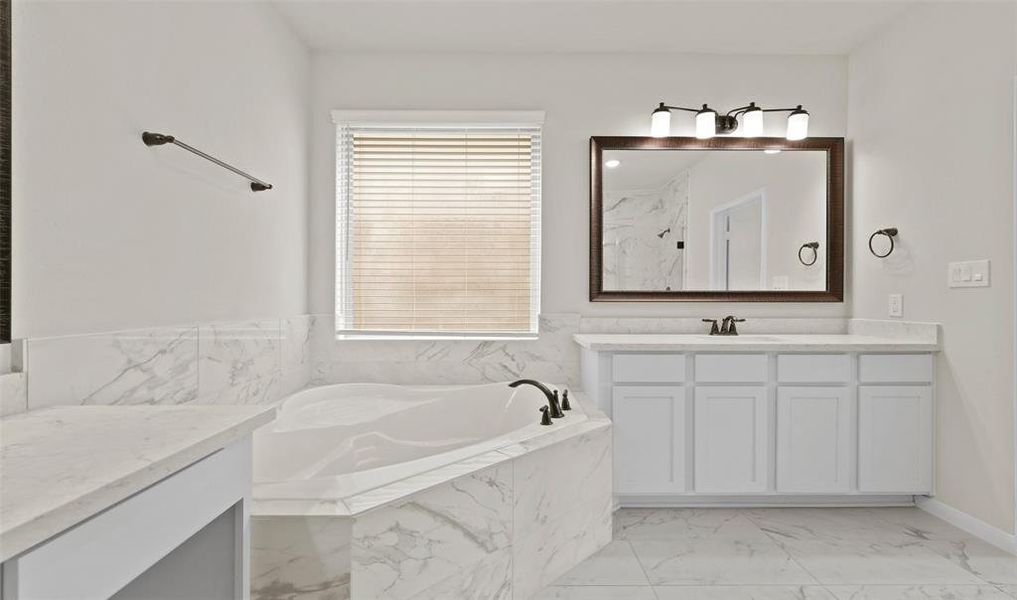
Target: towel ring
[(889, 232), (815, 253)]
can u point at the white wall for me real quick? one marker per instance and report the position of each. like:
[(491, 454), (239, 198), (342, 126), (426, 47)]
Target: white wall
[(930, 119), (583, 95), (109, 234)]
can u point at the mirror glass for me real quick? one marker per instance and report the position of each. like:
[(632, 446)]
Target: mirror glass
[(714, 220)]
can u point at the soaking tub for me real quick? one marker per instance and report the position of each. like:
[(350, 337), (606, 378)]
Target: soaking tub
[(378, 491)]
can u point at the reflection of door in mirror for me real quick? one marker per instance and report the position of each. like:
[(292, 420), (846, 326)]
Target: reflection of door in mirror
[(738, 260)]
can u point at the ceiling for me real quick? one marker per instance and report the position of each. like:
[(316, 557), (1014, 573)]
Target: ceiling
[(696, 26)]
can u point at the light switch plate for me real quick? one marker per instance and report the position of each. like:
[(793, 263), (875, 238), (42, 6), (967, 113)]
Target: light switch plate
[(895, 306), (971, 273)]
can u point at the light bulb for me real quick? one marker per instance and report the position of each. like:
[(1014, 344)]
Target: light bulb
[(752, 121), (610, 164), (798, 124), (706, 123), (660, 122)]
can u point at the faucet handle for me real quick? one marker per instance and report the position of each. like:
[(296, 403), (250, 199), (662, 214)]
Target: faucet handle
[(714, 330), (565, 405), (545, 417)]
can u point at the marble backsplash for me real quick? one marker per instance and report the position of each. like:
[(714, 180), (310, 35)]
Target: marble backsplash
[(552, 356), (252, 362), (262, 361)]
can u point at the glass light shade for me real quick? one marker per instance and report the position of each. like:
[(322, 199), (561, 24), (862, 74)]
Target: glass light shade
[(798, 124), (706, 123), (660, 123), (752, 122)]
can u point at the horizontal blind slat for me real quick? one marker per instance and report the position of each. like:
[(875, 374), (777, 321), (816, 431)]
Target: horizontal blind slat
[(440, 229)]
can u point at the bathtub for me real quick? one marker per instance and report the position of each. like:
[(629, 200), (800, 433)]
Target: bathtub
[(386, 492)]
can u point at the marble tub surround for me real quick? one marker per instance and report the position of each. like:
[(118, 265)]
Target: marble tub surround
[(300, 557), (550, 357), (500, 524), (250, 362), (746, 554), (63, 465), (13, 394)]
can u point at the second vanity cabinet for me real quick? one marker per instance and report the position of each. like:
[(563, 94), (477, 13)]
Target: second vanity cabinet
[(696, 425)]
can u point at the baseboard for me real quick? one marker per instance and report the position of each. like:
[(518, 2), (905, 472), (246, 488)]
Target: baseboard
[(976, 527), (762, 501)]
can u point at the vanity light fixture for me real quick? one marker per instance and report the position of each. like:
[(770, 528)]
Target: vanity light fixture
[(709, 123), (610, 164)]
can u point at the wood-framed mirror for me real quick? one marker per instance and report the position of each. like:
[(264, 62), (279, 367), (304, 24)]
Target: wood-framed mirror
[(729, 219)]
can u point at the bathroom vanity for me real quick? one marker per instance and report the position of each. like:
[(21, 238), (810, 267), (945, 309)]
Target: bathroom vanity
[(126, 501), (765, 419)]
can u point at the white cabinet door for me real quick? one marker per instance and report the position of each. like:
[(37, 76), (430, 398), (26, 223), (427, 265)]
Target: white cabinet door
[(814, 439), (731, 426), (895, 439), (649, 439)]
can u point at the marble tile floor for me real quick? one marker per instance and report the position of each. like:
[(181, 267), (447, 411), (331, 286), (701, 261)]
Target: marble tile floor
[(789, 554)]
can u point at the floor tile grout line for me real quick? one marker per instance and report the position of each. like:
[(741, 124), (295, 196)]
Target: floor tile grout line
[(748, 516), (642, 568)]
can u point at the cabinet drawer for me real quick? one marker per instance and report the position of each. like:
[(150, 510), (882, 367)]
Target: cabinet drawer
[(895, 368), (731, 368), (813, 368), (648, 368)]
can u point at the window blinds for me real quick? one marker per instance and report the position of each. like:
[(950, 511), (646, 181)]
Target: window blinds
[(439, 230)]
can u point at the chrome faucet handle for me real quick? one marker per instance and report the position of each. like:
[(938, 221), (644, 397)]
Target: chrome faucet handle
[(714, 330), (545, 417), (565, 405)]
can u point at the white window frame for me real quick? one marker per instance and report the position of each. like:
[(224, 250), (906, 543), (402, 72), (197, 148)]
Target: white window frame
[(422, 119)]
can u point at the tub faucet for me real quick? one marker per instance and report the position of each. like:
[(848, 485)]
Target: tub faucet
[(552, 397)]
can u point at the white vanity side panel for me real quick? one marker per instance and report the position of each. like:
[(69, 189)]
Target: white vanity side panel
[(731, 441), (648, 368), (815, 432), (813, 368), (895, 368), (595, 376), (649, 439), (100, 556), (895, 439), (731, 368)]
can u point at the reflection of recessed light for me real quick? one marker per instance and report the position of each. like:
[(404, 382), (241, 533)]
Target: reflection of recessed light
[(772, 151), (610, 164)]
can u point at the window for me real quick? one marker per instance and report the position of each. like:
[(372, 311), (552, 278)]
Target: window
[(438, 224)]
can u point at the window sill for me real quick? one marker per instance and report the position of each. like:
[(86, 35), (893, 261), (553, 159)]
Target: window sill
[(374, 337)]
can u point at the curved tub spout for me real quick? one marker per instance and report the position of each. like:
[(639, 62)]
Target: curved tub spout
[(552, 397)]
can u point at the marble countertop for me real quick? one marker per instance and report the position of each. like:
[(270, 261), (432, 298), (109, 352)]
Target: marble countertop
[(60, 466), (620, 342)]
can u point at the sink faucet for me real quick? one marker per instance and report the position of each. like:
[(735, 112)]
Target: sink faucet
[(714, 330), (728, 327), (552, 397)]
